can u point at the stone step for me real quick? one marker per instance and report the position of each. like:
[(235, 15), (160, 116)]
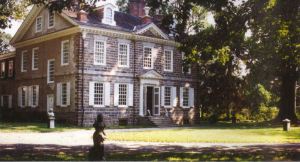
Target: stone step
[(162, 121)]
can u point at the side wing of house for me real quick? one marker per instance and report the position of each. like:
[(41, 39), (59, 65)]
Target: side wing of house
[(40, 21)]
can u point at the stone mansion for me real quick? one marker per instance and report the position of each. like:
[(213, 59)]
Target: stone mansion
[(79, 64)]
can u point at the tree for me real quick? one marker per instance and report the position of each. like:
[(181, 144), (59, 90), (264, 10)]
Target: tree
[(218, 50), (275, 49)]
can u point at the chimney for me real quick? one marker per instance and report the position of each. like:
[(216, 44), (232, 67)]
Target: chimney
[(147, 18), (82, 16), (136, 8)]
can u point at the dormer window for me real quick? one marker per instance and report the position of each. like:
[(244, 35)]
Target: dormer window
[(109, 14)]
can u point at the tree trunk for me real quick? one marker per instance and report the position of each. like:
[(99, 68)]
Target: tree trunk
[(288, 98)]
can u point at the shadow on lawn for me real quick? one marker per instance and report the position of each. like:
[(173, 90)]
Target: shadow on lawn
[(151, 152)]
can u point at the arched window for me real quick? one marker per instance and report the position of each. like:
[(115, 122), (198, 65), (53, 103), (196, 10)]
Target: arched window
[(108, 15)]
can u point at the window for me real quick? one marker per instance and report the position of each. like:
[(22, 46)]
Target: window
[(65, 52), (51, 20), (23, 96), (123, 58), (185, 99), (35, 93), (99, 55), (2, 69), (108, 16), (64, 94), (148, 58), (24, 61), (169, 60), (98, 94), (167, 96), (50, 76), (35, 59), (122, 94), (188, 71), (10, 68), (38, 24)]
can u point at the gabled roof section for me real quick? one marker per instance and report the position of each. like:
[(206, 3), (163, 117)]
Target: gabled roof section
[(30, 19), (152, 74), (26, 23), (152, 28)]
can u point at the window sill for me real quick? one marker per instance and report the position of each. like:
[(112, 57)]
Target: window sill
[(65, 64)]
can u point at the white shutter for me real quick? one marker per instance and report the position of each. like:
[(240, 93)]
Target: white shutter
[(1, 101), (174, 96), (68, 93), (162, 96), (191, 97), (58, 94), (130, 95), (29, 90), (37, 94), (181, 97), (20, 96), (107, 94), (91, 93), (10, 101), (26, 96), (116, 94)]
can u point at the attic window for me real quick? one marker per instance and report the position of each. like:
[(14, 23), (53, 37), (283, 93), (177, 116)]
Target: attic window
[(38, 24), (108, 17)]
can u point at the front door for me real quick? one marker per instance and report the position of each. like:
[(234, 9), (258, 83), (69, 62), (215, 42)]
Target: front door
[(50, 102)]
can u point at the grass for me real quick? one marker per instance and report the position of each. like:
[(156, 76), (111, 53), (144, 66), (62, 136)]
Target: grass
[(220, 133), (36, 127), (9, 127)]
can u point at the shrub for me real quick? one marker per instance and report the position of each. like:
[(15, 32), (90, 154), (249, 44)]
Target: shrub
[(265, 113)]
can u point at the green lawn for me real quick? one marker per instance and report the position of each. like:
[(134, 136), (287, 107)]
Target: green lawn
[(222, 133)]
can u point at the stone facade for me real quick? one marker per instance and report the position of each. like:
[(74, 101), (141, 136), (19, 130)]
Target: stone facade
[(81, 71)]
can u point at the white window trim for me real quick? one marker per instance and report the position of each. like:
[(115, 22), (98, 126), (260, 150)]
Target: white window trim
[(68, 94), (128, 54), (22, 61), (49, 13), (32, 58), (167, 106), (48, 72), (37, 96), (36, 23), (104, 57), (172, 58), (62, 53), (152, 62)]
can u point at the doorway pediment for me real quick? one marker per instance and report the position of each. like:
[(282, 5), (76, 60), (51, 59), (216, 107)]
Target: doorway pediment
[(151, 75)]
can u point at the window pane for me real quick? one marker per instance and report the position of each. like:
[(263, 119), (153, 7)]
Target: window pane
[(10, 68), (64, 94), (51, 71), (123, 54), (99, 52), (98, 94), (186, 97), (168, 60), (167, 96), (34, 89), (35, 59), (65, 52), (147, 57), (122, 94), (51, 19)]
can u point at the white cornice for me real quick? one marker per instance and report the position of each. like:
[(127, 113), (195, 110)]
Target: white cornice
[(7, 55), (126, 35), (155, 28), (47, 37)]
